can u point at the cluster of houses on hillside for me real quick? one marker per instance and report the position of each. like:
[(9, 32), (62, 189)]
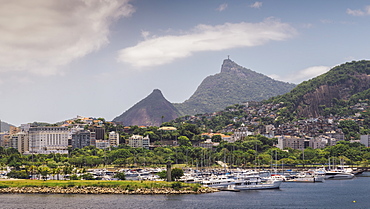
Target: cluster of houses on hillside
[(314, 132), (80, 132)]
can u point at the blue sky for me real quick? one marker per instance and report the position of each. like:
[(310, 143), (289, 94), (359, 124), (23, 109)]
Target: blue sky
[(60, 59)]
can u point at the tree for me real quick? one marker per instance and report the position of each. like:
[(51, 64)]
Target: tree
[(350, 128), (162, 174), (120, 176), (44, 171), (176, 173), (184, 141), (18, 174), (87, 176), (216, 138), (74, 177)]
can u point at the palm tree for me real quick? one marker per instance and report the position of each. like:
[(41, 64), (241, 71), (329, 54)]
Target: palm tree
[(58, 171), (44, 171)]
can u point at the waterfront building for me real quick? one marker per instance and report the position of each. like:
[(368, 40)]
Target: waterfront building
[(46, 140), (137, 141)]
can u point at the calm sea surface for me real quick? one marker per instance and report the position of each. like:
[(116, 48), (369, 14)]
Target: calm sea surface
[(353, 193)]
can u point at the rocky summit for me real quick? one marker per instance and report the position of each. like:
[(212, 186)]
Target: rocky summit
[(151, 111)]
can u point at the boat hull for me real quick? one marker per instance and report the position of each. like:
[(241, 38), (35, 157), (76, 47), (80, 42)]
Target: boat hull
[(307, 179), (339, 176), (258, 186)]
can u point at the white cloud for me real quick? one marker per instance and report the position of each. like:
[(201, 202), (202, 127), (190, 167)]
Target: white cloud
[(303, 75), (222, 7), (256, 5), (39, 36), (165, 49), (363, 12)]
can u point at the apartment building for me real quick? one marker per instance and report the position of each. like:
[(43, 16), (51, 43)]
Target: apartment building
[(139, 141), (46, 140)]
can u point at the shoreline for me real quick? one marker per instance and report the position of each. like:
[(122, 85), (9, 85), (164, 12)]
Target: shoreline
[(102, 190)]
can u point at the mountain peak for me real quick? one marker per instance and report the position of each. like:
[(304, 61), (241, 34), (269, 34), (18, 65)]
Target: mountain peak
[(157, 92), (234, 85), (151, 111), (228, 65)]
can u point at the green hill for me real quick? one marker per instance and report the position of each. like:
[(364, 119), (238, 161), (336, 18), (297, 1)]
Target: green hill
[(329, 94)]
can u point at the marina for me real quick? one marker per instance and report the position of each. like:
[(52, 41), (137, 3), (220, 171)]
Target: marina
[(352, 193)]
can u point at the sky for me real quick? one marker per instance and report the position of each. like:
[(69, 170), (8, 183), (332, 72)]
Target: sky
[(98, 58)]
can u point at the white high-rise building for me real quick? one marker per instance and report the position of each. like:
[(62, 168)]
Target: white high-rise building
[(113, 139), (46, 140), (138, 141)]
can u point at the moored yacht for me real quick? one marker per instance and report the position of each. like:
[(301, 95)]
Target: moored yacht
[(339, 173), (217, 181), (255, 183), (307, 177)]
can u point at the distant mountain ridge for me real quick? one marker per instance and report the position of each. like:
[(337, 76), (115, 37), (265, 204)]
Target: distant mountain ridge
[(4, 126), (234, 84), (151, 111)]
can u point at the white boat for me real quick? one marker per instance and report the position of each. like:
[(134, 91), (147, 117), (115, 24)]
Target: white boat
[(338, 174), (275, 177), (254, 183), (217, 181), (307, 177)]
